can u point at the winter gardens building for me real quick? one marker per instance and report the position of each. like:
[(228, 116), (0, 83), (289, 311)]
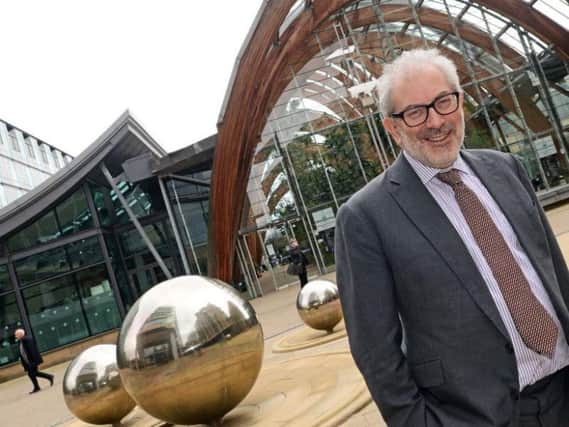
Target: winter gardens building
[(299, 132)]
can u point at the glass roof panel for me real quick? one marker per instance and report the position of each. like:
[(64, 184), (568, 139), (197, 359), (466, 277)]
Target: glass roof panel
[(454, 6), (557, 10), (512, 38)]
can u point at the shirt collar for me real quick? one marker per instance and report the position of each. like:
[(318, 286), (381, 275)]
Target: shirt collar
[(427, 173)]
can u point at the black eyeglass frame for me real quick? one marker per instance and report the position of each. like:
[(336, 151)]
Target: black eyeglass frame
[(400, 115)]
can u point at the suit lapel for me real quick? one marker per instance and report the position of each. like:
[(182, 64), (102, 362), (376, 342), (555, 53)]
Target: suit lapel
[(422, 209), (521, 214), (516, 209)]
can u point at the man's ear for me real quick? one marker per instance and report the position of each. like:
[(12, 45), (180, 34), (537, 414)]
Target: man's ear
[(391, 127)]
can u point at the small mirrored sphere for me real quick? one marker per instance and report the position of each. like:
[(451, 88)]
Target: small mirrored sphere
[(92, 387), (189, 350), (318, 304)]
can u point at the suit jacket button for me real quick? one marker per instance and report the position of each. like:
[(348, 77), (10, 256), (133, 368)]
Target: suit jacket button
[(509, 347)]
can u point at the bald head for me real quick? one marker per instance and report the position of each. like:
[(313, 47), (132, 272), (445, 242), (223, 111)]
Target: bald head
[(19, 334)]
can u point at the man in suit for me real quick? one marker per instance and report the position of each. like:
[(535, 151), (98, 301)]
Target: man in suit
[(453, 287), (31, 359)]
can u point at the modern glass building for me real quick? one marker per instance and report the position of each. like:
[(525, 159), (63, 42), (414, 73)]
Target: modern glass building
[(78, 250), (300, 130), (25, 162)]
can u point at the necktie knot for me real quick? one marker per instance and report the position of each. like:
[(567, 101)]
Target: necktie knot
[(452, 177)]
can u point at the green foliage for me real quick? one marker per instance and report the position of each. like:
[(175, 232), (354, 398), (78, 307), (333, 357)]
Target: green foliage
[(336, 157), (479, 138)]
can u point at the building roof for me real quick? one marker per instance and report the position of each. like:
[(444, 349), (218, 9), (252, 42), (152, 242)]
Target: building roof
[(198, 155), (124, 139), (10, 126)]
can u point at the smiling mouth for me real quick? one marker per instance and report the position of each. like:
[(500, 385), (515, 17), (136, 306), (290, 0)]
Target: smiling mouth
[(438, 138)]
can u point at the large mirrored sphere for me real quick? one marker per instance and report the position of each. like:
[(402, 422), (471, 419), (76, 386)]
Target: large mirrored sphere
[(318, 304), (189, 350), (92, 387)]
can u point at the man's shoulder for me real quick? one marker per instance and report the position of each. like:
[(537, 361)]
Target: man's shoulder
[(489, 155), (374, 190)]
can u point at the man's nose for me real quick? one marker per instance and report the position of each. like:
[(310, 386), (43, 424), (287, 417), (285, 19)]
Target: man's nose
[(434, 119)]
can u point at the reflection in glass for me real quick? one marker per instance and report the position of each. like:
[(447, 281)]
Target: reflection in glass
[(84, 252), (143, 199), (55, 313), (191, 211), (5, 282), (120, 276), (98, 300), (41, 231), (10, 320), (158, 233), (42, 265), (74, 214)]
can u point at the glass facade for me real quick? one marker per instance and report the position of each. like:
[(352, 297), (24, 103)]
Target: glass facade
[(10, 320), (81, 264), (323, 138), (55, 312), (190, 203)]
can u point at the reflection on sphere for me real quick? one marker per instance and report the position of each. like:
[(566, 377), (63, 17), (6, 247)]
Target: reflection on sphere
[(92, 387), (318, 304), (189, 350)]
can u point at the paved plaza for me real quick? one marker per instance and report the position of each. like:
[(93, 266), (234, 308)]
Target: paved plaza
[(312, 385)]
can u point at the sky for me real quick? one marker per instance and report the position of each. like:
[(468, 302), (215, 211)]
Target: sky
[(70, 68)]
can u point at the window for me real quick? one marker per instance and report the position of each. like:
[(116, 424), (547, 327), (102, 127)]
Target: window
[(43, 154), (14, 141), (5, 282), (84, 252), (56, 159), (124, 287), (55, 313), (98, 299), (10, 320), (102, 200), (43, 230), (30, 149), (74, 214), (42, 265)]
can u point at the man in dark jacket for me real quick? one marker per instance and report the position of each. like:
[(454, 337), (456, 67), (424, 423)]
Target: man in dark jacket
[(31, 359), (299, 261)]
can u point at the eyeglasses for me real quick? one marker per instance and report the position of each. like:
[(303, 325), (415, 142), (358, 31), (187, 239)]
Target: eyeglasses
[(416, 115)]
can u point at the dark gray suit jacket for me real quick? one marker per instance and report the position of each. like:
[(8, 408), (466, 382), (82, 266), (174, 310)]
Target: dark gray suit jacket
[(403, 270)]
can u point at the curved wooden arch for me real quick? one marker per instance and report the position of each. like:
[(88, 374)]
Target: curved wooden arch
[(535, 119), (261, 75)]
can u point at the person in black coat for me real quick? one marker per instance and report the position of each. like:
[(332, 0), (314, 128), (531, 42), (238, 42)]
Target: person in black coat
[(31, 359), (299, 260)]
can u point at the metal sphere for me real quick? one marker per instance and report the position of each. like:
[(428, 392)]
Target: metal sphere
[(92, 387), (189, 350), (318, 304)]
